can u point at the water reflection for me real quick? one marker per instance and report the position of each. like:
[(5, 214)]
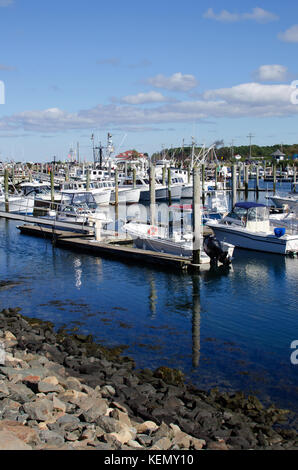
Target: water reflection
[(152, 296), (78, 272), (196, 321), (248, 313)]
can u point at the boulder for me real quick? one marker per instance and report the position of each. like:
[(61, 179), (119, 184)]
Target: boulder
[(24, 433), (39, 410), (9, 441)]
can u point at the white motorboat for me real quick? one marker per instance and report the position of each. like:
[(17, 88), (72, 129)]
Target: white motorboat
[(290, 200), (127, 195), (142, 184), (156, 238), (248, 226), (78, 207), (100, 191), (16, 203)]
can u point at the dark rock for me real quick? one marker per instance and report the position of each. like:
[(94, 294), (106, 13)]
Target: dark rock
[(51, 437)]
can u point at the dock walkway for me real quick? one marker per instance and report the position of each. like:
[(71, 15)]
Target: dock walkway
[(116, 248)]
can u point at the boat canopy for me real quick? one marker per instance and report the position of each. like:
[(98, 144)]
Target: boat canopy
[(248, 205)]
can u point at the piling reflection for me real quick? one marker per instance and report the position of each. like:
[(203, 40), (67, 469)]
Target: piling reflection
[(196, 321), (78, 272), (152, 296)]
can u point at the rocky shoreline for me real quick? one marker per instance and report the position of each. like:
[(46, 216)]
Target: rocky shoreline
[(63, 391)]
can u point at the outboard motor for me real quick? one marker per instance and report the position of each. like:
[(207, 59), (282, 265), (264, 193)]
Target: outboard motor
[(213, 249)]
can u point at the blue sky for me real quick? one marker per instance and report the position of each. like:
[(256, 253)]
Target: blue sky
[(151, 73)]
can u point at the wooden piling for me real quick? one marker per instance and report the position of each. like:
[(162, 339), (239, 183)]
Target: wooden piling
[(152, 194), (246, 180), (169, 186), (239, 177), (203, 184), (257, 181), (164, 169), (197, 217), (67, 173), (116, 187), (134, 178), (274, 178), (234, 185), (88, 180), (6, 190), (52, 187)]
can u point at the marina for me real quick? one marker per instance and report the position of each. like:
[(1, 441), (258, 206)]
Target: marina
[(206, 337)]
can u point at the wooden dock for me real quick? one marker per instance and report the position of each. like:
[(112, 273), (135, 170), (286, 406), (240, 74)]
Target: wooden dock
[(113, 249)]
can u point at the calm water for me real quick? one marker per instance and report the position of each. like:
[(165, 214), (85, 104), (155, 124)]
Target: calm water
[(230, 329)]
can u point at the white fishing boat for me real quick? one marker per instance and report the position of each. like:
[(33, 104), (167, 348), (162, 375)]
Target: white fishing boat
[(100, 191), (290, 200), (77, 207), (156, 238), (142, 184), (16, 203), (248, 226)]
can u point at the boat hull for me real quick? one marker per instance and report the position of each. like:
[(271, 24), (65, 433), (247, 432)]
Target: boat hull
[(187, 191), (102, 197), (128, 196), (22, 205), (279, 201), (255, 241)]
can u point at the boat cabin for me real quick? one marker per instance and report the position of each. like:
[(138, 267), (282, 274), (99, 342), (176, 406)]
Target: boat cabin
[(251, 215), (78, 199)]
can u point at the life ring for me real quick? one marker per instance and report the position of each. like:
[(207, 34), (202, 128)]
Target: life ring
[(152, 231)]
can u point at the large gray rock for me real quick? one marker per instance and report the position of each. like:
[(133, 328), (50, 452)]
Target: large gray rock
[(39, 410)]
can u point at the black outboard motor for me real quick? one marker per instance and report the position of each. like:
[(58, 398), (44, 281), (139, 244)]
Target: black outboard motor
[(213, 249)]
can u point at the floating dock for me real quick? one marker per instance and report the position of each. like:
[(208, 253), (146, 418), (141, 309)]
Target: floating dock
[(115, 248)]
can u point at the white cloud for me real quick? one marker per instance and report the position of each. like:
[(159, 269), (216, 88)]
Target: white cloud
[(244, 100), (176, 82), (257, 14), (224, 16), (253, 94), (290, 35), (141, 98), (271, 73)]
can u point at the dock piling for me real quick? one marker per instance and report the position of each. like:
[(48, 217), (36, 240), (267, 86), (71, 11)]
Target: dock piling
[(152, 194), (234, 185), (196, 217), (169, 186), (6, 190)]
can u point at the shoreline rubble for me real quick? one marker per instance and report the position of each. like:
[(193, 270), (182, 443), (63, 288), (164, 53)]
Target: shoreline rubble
[(62, 391)]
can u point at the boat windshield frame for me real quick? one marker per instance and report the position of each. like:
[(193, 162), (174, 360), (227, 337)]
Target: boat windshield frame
[(253, 213)]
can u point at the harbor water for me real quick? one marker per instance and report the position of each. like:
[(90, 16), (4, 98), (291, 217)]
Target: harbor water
[(230, 329)]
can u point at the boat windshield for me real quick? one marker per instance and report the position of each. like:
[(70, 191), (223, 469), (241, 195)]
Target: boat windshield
[(79, 199), (254, 214), (238, 213), (257, 214)]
